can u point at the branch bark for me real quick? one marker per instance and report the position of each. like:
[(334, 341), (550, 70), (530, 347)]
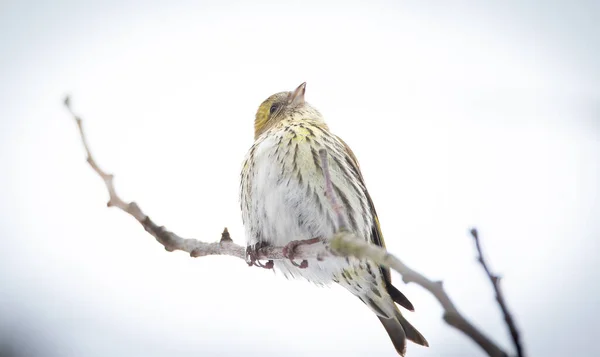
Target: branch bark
[(343, 243)]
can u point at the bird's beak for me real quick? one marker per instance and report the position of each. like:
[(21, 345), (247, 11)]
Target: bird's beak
[(297, 97)]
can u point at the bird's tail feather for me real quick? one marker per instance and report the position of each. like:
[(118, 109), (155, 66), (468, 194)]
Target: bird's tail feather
[(399, 330), (411, 332), (396, 333)]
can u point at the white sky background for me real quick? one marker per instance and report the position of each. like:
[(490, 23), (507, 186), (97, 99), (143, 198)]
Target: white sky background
[(460, 114)]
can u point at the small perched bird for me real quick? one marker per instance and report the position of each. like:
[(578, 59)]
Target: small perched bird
[(283, 199)]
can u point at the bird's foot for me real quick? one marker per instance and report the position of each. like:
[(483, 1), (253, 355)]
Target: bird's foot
[(289, 251), (252, 256)]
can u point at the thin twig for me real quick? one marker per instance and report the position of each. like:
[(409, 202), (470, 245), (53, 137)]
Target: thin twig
[(495, 279)]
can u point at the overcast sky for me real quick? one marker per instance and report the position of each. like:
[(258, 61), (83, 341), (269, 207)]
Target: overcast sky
[(461, 114)]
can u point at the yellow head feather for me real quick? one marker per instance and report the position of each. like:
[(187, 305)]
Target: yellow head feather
[(278, 107), (266, 116)]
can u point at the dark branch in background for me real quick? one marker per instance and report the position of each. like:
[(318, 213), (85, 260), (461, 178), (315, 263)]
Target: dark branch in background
[(495, 279), (343, 243)]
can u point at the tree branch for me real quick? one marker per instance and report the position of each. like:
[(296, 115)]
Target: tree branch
[(495, 279), (348, 244), (343, 243)]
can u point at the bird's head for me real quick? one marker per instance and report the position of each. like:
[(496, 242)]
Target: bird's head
[(283, 105)]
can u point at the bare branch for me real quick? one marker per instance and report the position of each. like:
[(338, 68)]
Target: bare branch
[(172, 241), (343, 243), (347, 244), (495, 279)]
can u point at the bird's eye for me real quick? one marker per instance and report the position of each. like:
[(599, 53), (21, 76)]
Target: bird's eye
[(274, 107)]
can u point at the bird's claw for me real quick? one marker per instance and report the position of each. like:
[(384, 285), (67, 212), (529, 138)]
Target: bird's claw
[(252, 256), (289, 251)]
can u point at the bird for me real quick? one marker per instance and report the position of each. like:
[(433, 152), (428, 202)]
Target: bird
[(283, 199)]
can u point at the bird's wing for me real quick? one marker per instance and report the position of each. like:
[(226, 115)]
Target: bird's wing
[(377, 236)]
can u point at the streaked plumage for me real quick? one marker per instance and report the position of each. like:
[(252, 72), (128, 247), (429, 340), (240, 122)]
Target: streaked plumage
[(283, 199)]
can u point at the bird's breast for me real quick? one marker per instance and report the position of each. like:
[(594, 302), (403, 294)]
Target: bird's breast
[(283, 195), (285, 186), (287, 191)]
